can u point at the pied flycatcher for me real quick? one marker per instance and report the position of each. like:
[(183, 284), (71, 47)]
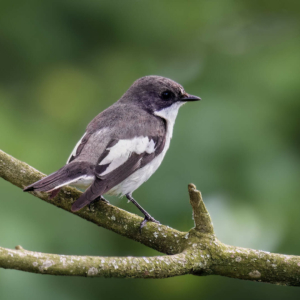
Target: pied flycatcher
[(122, 146)]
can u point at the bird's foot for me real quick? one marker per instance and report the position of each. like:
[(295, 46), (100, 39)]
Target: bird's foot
[(100, 198), (147, 218)]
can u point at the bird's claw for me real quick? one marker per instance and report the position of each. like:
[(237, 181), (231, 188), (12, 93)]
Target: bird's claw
[(147, 218)]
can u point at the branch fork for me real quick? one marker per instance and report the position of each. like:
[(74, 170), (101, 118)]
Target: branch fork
[(196, 252)]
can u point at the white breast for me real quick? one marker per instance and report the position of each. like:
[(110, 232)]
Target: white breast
[(132, 182)]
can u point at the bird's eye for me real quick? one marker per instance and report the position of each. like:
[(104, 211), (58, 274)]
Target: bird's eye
[(167, 95)]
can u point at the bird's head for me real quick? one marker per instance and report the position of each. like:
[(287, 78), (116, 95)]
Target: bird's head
[(155, 93)]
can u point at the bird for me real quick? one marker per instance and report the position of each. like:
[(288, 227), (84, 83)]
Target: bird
[(123, 145)]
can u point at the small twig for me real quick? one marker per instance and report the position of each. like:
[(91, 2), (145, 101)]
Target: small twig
[(201, 216)]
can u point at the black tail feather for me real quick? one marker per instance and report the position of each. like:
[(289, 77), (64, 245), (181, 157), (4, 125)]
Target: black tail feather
[(28, 189), (48, 183), (61, 177)]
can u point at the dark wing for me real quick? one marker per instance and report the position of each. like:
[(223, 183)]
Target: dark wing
[(119, 162), (123, 157)]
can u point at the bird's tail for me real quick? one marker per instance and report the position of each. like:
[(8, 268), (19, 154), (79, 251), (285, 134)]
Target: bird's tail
[(66, 175)]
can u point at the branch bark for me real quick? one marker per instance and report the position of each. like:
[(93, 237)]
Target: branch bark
[(91, 266), (196, 252)]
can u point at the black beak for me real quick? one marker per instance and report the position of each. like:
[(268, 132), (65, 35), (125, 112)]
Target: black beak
[(188, 97)]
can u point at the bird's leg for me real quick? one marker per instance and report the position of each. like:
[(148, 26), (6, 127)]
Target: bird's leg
[(147, 218), (100, 198)]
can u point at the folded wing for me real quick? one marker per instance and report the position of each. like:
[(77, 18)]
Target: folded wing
[(120, 159)]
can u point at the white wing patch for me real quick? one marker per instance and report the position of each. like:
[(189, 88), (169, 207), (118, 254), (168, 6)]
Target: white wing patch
[(75, 148), (120, 152)]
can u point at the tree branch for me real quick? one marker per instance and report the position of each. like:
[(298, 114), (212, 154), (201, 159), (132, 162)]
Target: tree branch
[(197, 252), (159, 237), (91, 266)]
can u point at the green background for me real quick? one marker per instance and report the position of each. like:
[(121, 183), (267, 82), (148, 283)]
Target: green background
[(63, 62)]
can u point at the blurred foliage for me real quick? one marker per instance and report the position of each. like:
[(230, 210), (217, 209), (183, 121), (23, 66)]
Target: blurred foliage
[(62, 62)]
